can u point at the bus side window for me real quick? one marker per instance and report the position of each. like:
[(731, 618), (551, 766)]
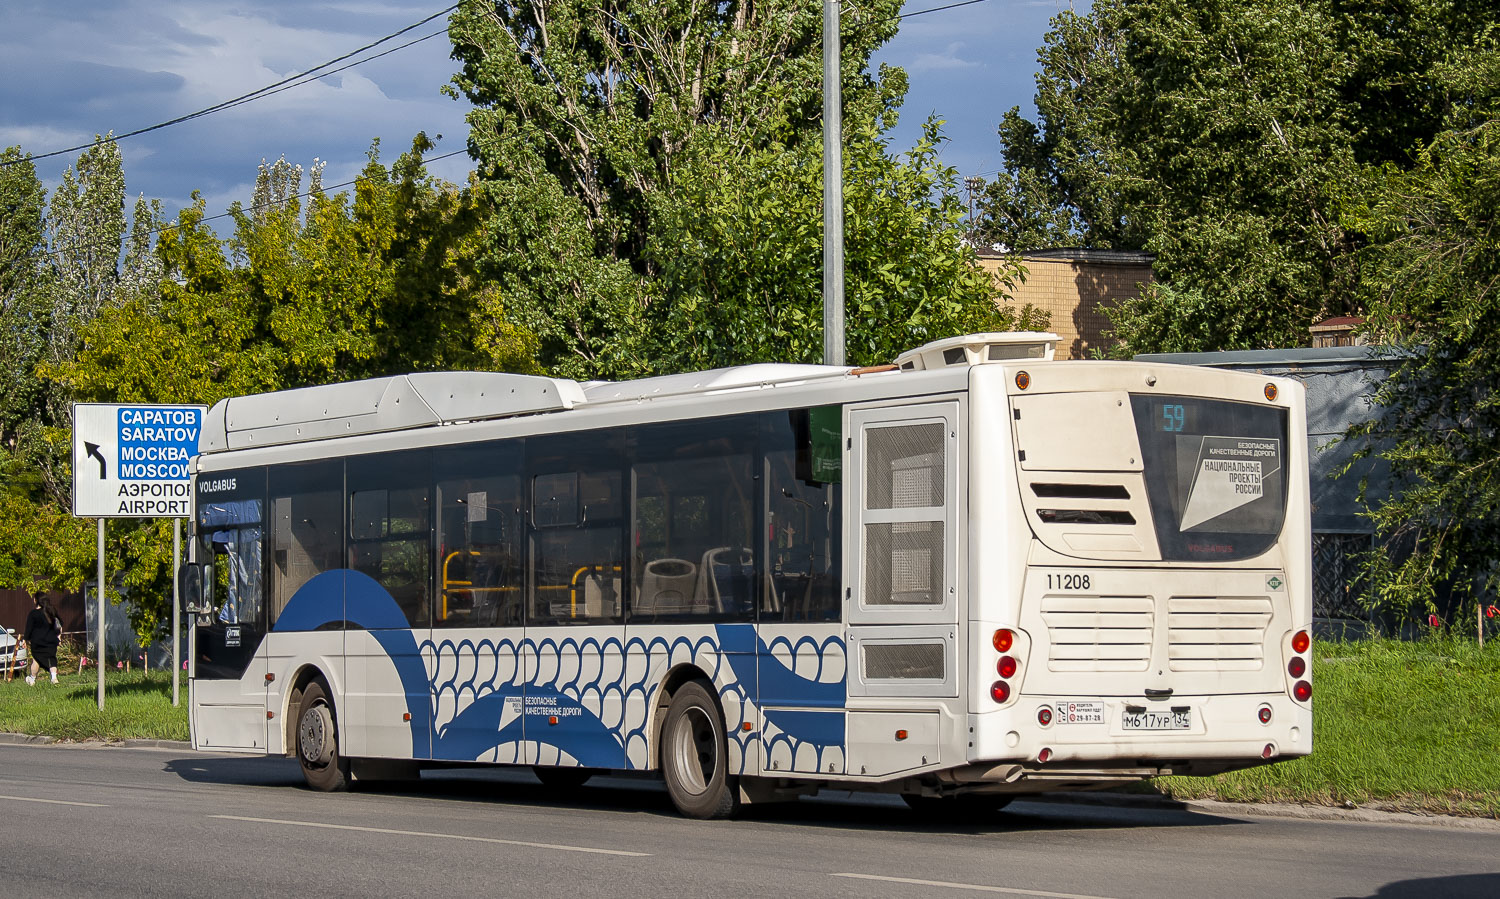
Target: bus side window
[(478, 537), (693, 533), (577, 531), (804, 527), (307, 529), (389, 510)]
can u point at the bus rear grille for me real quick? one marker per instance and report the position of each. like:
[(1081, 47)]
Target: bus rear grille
[(1217, 633), (1098, 633)]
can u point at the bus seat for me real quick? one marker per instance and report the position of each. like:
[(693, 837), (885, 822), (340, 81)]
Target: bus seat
[(667, 586)]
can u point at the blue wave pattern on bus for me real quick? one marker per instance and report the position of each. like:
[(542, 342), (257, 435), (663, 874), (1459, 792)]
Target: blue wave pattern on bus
[(494, 715)]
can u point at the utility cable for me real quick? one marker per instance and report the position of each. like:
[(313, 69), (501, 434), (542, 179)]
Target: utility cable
[(269, 89), (303, 77)]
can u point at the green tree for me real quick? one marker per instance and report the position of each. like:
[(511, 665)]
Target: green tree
[(341, 288), (64, 269), (87, 217), (1224, 138), (308, 290), (24, 271), (740, 257), (1432, 272), (624, 149)]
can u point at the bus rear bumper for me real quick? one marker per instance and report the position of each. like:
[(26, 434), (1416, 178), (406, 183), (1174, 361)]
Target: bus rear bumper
[(1131, 738)]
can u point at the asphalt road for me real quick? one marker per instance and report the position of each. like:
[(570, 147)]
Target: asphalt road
[(96, 821)]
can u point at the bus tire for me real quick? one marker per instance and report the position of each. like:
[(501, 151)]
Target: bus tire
[(695, 757), (323, 767), (965, 807), (562, 779)]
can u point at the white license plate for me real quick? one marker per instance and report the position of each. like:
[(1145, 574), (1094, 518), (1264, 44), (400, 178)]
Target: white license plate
[(1176, 719)]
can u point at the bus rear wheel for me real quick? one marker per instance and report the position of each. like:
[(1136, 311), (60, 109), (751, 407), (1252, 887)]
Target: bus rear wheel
[(318, 742), (695, 757)]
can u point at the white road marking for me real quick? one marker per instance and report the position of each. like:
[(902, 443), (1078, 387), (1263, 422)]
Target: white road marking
[(440, 836), (977, 887), (53, 801)]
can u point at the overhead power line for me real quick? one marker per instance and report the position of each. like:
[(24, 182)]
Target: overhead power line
[(268, 90), (229, 104), (317, 72), (923, 12)]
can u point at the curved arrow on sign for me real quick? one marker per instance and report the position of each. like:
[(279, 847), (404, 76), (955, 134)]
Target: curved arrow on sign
[(93, 450)]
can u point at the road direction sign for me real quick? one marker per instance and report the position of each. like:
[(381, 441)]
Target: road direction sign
[(132, 461)]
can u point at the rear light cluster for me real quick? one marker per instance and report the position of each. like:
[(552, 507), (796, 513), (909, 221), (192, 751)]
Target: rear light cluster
[(1006, 667), (1297, 666)]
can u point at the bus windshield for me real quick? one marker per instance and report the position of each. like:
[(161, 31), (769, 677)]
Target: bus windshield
[(1215, 474)]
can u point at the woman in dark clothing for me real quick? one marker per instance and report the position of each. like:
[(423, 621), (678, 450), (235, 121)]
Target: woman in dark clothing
[(43, 632)]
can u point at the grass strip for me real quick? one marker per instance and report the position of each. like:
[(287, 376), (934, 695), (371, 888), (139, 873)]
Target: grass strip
[(137, 705), (1409, 725)]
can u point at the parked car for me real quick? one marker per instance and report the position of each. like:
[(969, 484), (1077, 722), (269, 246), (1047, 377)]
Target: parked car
[(12, 654)]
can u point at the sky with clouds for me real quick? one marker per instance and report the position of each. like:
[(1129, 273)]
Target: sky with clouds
[(73, 68)]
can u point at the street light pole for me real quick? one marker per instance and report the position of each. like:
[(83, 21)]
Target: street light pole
[(833, 192)]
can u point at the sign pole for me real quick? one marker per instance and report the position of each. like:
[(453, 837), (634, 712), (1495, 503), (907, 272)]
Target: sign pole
[(176, 605), (100, 591)]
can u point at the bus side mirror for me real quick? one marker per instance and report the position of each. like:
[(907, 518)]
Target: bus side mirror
[(193, 587)]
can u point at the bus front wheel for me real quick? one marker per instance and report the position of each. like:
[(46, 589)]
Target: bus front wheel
[(318, 742), (694, 755)]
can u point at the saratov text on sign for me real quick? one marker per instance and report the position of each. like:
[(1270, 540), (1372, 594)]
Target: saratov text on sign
[(155, 448)]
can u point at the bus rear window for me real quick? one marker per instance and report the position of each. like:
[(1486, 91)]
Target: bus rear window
[(1215, 473)]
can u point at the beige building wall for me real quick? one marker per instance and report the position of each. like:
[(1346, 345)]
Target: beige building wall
[(1070, 285)]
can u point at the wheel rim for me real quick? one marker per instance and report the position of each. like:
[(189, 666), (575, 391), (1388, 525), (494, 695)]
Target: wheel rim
[(695, 751), (315, 736)]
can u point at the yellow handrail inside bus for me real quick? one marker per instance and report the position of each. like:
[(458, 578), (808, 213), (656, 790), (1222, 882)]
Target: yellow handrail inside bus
[(573, 587), (448, 584), (464, 586)]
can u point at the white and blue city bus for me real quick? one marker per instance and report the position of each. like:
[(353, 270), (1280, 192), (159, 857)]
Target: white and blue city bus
[(976, 574)]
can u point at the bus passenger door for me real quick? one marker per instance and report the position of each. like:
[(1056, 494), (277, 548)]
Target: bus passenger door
[(387, 601), (477, 637), (904, 567), (573, 704), (229, 693), (305, 597), (800, 665)]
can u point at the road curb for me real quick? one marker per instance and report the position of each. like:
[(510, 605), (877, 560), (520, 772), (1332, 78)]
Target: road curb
[(1330, 813), (1268, 810), (43, 740), (19, 739), (155, 744)]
